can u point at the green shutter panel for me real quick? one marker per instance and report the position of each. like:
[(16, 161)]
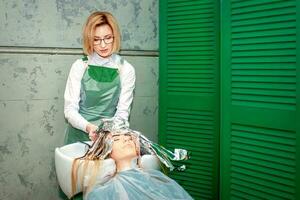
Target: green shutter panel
[(260, 99), (189, 90)]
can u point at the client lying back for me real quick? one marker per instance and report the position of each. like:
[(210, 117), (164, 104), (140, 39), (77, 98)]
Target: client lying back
[(129, 181)]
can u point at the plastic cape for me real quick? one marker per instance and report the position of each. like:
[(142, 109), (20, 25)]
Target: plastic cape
[(137, 184)]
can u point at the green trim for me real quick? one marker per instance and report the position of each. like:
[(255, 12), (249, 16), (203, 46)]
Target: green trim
[(102, 74), (297, 175), (217, 106), (85, 58), (225, 101), (162, 73)]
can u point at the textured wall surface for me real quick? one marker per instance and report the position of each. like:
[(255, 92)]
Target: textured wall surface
[(32, 84), (45, 23)]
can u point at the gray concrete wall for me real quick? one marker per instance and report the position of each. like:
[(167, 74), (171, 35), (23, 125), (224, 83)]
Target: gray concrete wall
[(39, 42)]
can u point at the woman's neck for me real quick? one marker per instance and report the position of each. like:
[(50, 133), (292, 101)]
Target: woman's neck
[(126, 164), (97, 56), (122, 166)]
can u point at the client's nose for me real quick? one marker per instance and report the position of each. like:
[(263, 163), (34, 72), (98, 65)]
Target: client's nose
[(126, 138)]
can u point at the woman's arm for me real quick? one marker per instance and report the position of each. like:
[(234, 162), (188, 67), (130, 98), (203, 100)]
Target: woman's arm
[(127, 77), (72, 96)]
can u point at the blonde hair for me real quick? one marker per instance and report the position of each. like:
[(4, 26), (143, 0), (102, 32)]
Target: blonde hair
[(95, 155), (95, 20)]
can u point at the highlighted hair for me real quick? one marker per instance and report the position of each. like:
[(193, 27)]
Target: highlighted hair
[(95, 20)]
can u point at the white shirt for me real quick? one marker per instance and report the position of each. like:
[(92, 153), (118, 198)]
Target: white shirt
[(72, 91)]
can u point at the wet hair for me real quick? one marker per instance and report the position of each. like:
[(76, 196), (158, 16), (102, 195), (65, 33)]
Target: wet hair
[(95, 20)]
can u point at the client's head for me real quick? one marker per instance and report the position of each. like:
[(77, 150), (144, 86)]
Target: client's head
[(121, 146), (124, 147)]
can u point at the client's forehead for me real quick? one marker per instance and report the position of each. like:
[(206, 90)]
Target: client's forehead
[(120, 135)]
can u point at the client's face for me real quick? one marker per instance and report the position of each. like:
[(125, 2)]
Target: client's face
[(123, 147)]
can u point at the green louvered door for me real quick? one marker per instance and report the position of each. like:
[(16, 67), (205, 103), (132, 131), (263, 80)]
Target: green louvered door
[(260, 82), (189, 90)]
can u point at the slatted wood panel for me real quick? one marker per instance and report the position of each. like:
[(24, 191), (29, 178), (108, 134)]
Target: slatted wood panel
[(259, 99), (189, 90), (193, 130)]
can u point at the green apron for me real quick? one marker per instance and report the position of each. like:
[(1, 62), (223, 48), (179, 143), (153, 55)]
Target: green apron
[(99, 96)]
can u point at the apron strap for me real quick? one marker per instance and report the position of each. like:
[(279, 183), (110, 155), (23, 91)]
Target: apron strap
[(85, 60)]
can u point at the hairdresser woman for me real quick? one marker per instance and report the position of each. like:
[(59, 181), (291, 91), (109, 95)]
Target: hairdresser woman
[(101, 84)]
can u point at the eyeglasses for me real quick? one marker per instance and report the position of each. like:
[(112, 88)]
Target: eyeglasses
[(106, 40)]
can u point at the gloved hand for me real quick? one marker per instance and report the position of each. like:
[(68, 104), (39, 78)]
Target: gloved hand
[(91, 129)]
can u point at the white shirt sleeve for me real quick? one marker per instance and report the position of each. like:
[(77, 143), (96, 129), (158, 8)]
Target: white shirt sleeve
[(127, 78), (72, 96)]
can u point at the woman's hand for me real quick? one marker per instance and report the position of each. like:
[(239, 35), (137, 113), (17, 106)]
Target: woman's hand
[(91, 130)]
